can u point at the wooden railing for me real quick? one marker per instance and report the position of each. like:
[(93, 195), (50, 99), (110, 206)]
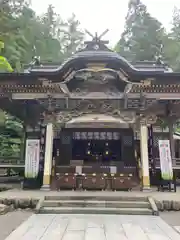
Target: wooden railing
[(11, 162)]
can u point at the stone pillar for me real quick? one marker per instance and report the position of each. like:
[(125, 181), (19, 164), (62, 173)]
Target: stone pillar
[(48, 157), (144, 156)]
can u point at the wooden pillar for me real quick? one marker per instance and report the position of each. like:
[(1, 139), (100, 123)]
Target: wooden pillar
[(171, 140), (48, 157), (144, 156), (178, 148), (171, 120)]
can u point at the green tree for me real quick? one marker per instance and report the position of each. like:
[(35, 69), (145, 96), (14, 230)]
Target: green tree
[(142, 37), (4, 64), (11, 136), (73, 36), (172, 42), (47, 44), (26, 34), (10, 32)]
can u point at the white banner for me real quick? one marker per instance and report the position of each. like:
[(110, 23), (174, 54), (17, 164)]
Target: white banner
[(165, 160), (32, 158)]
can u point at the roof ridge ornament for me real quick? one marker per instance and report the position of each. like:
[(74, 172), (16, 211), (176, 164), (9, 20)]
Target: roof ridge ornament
[(96, 43), (96, 38)]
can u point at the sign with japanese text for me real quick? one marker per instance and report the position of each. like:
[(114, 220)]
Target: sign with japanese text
[(32, 158), (165, 160)]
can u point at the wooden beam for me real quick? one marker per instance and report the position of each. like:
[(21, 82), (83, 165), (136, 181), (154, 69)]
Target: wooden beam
[(31, 96)]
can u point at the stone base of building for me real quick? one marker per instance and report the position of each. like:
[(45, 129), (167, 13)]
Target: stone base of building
[(146, 189), (31, 183), (45, 188)]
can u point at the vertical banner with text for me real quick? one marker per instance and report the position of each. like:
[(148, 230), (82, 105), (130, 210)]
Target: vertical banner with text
[(165, 160), (32, 158)]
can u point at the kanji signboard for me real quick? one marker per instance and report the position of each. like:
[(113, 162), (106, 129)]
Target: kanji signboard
[(165, 160)]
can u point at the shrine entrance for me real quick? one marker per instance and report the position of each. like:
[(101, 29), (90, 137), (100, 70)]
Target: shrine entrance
[(96, 146), (104, 150)]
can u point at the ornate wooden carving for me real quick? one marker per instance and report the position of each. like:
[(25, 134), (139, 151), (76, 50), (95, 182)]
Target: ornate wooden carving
[(151, 119), (142, 102), (52, 104), (95, 107), (106, 82), (145, 119)]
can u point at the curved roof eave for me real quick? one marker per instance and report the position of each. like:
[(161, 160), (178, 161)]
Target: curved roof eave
[(91, 56), (131, 70), (134, 73), (98, 56)]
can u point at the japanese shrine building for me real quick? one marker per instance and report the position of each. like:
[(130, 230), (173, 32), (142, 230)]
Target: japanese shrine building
[(96, 118)]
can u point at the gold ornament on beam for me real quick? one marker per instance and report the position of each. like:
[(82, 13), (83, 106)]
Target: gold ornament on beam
[(96, 66), (152, 120), (147, 82)]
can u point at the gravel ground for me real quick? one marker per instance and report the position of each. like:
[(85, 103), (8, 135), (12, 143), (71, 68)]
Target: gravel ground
[(10, 221)]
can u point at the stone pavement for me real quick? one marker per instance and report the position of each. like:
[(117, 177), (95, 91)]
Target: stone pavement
[(177, 228), (96, 227), (11, 220), (37, 194), (171, 217)]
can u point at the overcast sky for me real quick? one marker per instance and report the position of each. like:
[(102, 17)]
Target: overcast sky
[(97, 15)]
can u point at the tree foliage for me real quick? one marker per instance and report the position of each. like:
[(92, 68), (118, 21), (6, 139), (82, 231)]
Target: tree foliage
[(145, 38), (26, 34), (11, 136), (142, 37), (23, 35), (172, 43)]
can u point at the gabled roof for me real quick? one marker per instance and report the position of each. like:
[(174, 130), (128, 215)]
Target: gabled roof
[(140, 66), (95, 51)]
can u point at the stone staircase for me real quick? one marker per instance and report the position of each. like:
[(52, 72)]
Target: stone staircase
[(97, 205)]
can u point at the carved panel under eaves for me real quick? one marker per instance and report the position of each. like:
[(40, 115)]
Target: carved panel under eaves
[(96, 85)]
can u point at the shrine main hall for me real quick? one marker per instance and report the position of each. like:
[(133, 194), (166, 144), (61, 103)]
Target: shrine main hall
[(95, 120)]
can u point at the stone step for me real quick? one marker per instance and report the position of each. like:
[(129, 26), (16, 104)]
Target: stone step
[(97, 198), (89, 210), (95, 204), (4, 209)]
